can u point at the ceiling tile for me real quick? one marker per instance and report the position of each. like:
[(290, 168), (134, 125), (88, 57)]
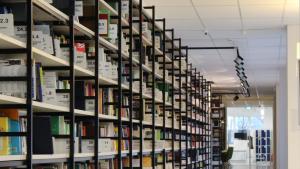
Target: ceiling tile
[(260, 23), (261, 11), (263, 42), (191, 34), (226, 34), (218, 12), (181, 24), (222, 24), (261, 2), (173, 12), (214, 2), (168, 3)]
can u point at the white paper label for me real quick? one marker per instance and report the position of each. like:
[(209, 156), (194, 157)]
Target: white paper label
[(113, 31), (78, 8), (103, 27), (7, 24), (125, 7), (37, 39), (20, 33)]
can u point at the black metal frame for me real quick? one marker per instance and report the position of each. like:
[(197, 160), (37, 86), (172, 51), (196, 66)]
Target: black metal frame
[(96, 118), (29, 84), (140, 83), (120, 91)]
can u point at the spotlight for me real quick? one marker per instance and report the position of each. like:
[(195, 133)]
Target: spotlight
[(239, 67), (238, 62), (242, 77), (236, 97)]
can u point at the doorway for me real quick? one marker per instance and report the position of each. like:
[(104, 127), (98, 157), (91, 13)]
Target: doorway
[(255, 124)]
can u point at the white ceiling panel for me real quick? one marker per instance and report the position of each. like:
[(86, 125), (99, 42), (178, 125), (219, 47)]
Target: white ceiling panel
[(191, 34), (214, 2), (222, 24), (260, 23), (259, 32), (261, 2), (262, 11), (181, 24), (226, 34), (197, 42), (219, 12), (176, 12), (262, 43), (178, 3), (264, 33)]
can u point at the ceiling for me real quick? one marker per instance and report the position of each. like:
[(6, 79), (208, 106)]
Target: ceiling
[(256, 27)]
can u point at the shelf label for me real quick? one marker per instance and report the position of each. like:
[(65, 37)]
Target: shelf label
[(7, 24), (78, 8), (103, 27), (21, 32)]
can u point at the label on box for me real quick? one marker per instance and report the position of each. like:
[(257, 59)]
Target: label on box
[(103, 26), (125, 7), (63, 99), (114, 71), (21, 32), (37, 39), (7, 24), (113, 32), (144, 26), (90, 105), (78, 8)]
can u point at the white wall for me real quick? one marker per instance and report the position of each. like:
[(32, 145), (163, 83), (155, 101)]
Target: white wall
[(281, 122), (292, 98), (288, 130)]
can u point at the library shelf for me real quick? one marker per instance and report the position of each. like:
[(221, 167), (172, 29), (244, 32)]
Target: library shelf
[(44, 11)]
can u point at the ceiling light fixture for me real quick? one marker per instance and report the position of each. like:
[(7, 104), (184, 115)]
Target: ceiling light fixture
[(236, 97), (240, 72)]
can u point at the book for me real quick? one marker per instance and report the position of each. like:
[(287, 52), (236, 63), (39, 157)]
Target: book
[(80, 95), (48, 83), (15, 141), (42, 137), (39, 82), (57, 125), (4, 141), (80, 54)]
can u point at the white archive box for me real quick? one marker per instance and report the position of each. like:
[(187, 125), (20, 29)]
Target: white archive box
[(62, 145), (105, 145)]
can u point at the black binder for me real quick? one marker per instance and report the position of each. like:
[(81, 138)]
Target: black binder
[(42, 138)]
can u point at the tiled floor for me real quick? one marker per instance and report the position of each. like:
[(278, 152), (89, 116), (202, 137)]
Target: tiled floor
[(248, 167)]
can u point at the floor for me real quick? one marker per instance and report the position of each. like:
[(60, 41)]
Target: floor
[(248, 167)]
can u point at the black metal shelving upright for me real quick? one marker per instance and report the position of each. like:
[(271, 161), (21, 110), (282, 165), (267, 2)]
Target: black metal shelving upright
[(120, 90), (141, 107), (96, 118), (164, 88), (72, 84), (29, 110)]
